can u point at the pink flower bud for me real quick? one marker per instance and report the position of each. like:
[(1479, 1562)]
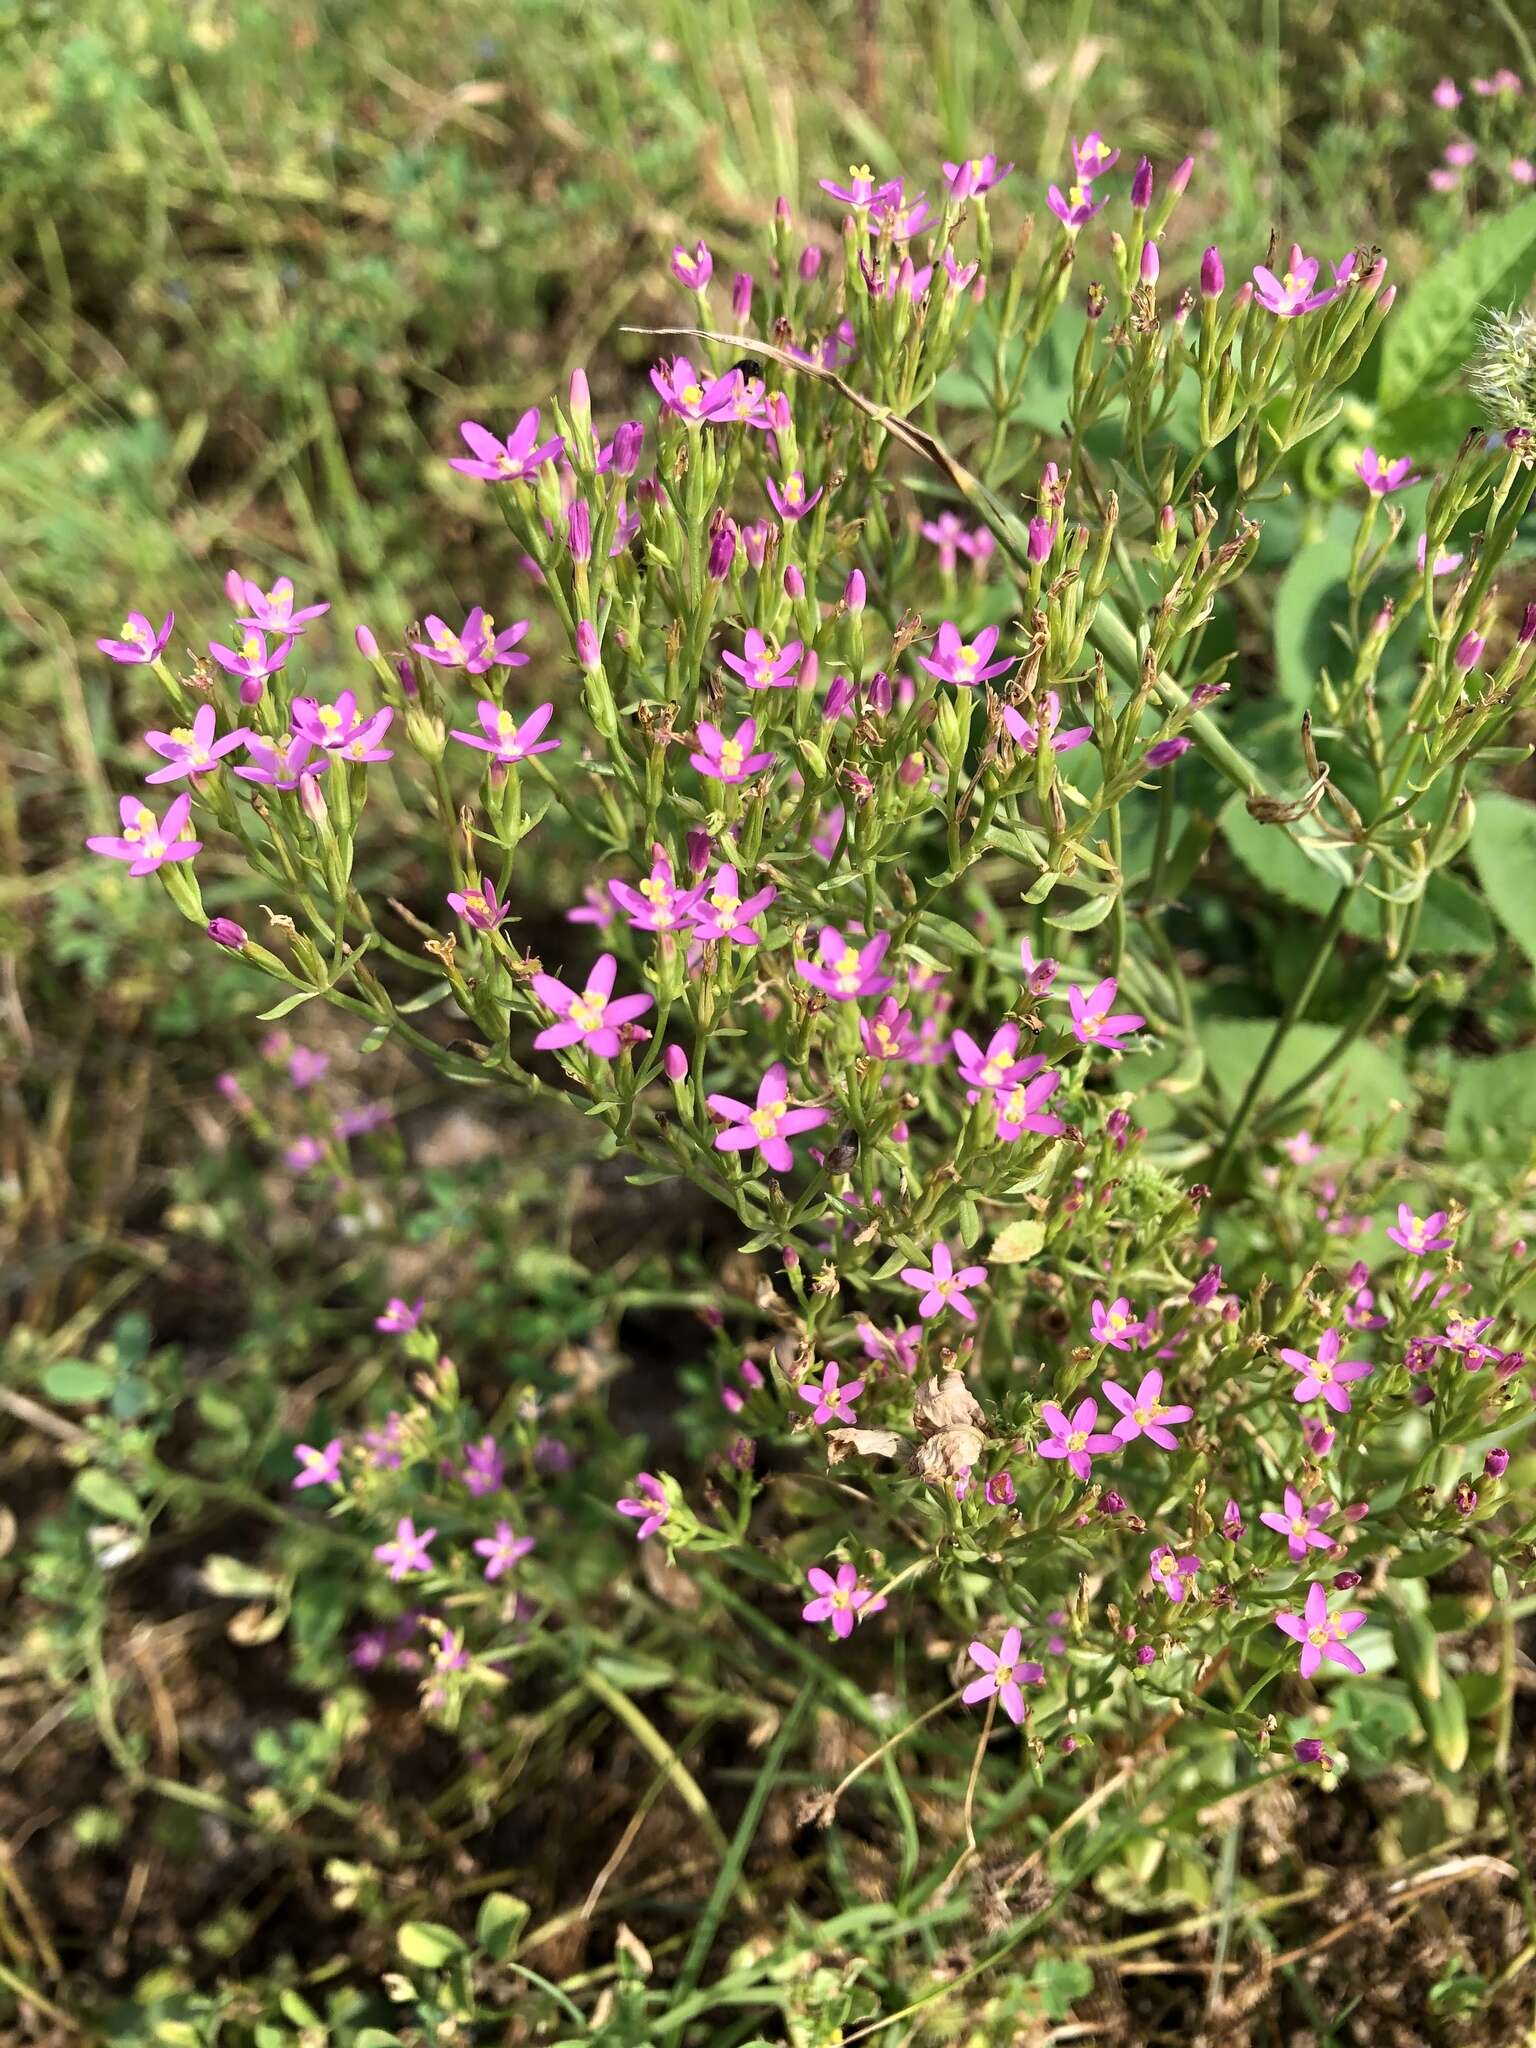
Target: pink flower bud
[(367, 646), (1181, 176), (722, 552), (1042, 538), (1527, 632), (912, 770), (853, 593), (1469, 652), (810, 263), (250, 692), (700, 849), (581, 393), (1213, 277), (587, 651), (810, 669), (794, 583), (627, 441), (839, 696), (781, 210), (1387, 298), (1168, 519), (1309, 1751), (312, 799), (579, 531), (1345, 1581), (1141, 185), (878, 695), (675, 1060), (234, 588), (225, 932), (1496, 1464), (741, 294), (791, 1258), (1000, 1490)]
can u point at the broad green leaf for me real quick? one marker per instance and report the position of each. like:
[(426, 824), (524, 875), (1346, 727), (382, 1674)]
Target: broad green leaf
[(1372, 1078), (1503, 848), (428, 1944), (108, 1496), (1430, 335), (76, 1381), (1311, 599), (501, 1920), (1493, 1105), (1017, 1242)]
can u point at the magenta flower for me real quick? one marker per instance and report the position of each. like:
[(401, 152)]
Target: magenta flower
[(1026, 736), (896, 1349), (400, 1317), (1420, 1234), (861, 189), (827, 1399), (192, 749), (948, 534), (761, 669), (1022, 1108), (1300, 1525), (841, 1600), (407, 1552), (484, 1467), (283, 767), (952, 661), (502, 1550), (1003, 1674), (733, 760), (650, 1508), (1325, 1374), (1296, 290), (590, 1017), (725, 914), (658, 904), (478, 906), (478, 647), (846, 973), (694, 271), (504, 462), (1444, 564), (1076, 1439), (147, 842), (1075, 207), (888, 1035), (791, 503), (1172, 1574), (1144, 1414), (1092, 1022), (769, 1125), (1446, 95), (978, 174), (306, 1065), (1381, 477), (683, 392), (1092, 157), (1164, 751), (944, 1287), (318, 1468), (1038, 974), (327, 726), (501, 735), (139, 641), (271, 611), (1322, 1634), (1117, 1326), (997, 1067), (253, 664)]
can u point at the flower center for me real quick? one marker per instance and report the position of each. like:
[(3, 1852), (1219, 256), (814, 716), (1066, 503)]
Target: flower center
[(1077, 1439), (1004, 1674), (1163, 1566), (968, 657), (587, 1010), (731, 757), (1300, 1526), (1322, 1372), (794, 491), (691, 394), (1318, 1637), (765, 1119), (474, 900), (250, 647)]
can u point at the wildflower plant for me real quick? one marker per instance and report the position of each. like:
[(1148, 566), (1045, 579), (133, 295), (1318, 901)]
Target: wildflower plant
[(880, 735)]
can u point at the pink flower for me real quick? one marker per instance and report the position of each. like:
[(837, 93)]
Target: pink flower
[(1038, 974), (861, 189), (1092, 1023), (888, 1035), (948, 535), (192, 749), (846, 972), (271, 611), (1444, 564), (400, 1317), (282, 767), (1296, 290), (1324, 1374), (1172, 1573), (944, 1287), (484, 1467), (952, 661), (147, 842), (1026, 736), (1300, 1525), (590, 1017), (478, 647), (694, 271), (1075, 207), (761, 669), (318, 1468), (841, 1600), (1446, 96), (1522, 171), (1143, 1413), (978, 174), (1117, 1326), (650, 1509), (139, 641), (724, 914), (895, 1349), (1319, 1438), (408, 1551), (768, 1125), (1004, 1675), (683, 392), (657, 905), (997, 1067), (1379, 478), (1322, 1634), (502, 1550), (1420, 1234), (500, 462), (791, 503), (732, 760), (478, 906), (1092, 157), (501, 736), (827, 1400), (1021, 1108), (1076, 1440)]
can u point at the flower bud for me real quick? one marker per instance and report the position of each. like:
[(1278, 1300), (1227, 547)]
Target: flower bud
[(1469, 652), (1309, 1751), (675, 1060), (580, 406), (1000, 1490), (741, 295), (1527, 632), (587, 650), (810, 669), (839, 696), (794, 583), (250, 690), (1141, 185), (781, 210), (628, 438), (1146, 1654), (1345, 1582), (810, 263), (1042, 538), (1111, 1503), (1464, 1499), (312, 800), (1213, 277), (367, 646), (853, 596), (722, 552), (579, 531), (791, 1258), (225, 932), (878, 695), (1181, 177), (912, 770), (700, 847), (1496, 1464)]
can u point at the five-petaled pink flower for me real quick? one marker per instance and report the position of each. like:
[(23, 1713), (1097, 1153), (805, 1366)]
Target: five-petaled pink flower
[(1419, 1234), (694, 270), (1022, 1108), (1075, 1439), (657, 904), (1322, 1634), (478, 647), (271, 611), (732, 760), (1092, 1021), (1295, 291), (684, 392), (845, 971), (147, 842), (1300, 1525), (502, 1550), (976, 175), (760, 668), (407, 1552), (318, 1467), (827, 1400), (1172, 1573), (1027, 737), (1075, 207), (725, 914), (841, 1600), (1381, 477), (1003, 1674), (589, 1016), (999, 1066), (138, 640), (953, 661), (1324, 1374), (337, 728), (478, 905), (400, 1317), (192, 749), (253, 663), (769, 1125), (792, 502), (944, 1286), (502, 462), (1117, 1325), (650, 1508), (501, 735), (1143, 1413)]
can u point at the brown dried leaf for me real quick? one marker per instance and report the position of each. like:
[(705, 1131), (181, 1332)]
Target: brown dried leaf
[(945, 1403), (873, 1443)]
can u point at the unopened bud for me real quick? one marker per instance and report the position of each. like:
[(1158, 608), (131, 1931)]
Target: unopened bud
[(1181, 176), (225, 932), (810, 263), (1213, 277), (1469, 651), (627, 442), (675, 1060), (367, 646), (722, 552), (1527, 632), (853, 595), (741, 294), (794, 583), (1496, 1464), (579, 531), (1141, 185), (700, 847), (587, 651)]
